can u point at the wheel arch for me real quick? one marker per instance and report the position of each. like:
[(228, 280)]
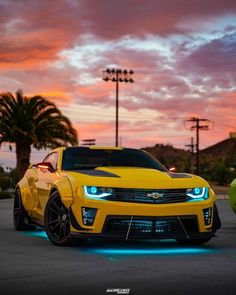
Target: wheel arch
[(64, 189), (53, 190), (26, 197)]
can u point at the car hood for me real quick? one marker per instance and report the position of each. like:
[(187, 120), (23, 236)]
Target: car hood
[(129, 177)]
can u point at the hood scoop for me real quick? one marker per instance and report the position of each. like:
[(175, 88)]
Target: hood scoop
[(179, 175)]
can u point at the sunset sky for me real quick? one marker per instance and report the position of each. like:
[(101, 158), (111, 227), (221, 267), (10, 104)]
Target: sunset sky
[(183, 53)]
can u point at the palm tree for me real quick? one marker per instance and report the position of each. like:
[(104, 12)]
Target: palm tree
[(32, 121)]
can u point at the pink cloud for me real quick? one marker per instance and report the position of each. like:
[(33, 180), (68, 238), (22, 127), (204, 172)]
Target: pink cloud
[(194, 76), (35, 32), (215, 57), (113, 19)]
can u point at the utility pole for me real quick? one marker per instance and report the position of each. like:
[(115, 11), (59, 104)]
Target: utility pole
[(195, 123), (118, 75), (191, 146)]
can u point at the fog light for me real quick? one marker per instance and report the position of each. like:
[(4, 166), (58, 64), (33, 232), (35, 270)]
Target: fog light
[(88, 215), (207, 213)]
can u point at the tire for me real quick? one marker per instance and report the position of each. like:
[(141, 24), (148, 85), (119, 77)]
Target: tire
[(57, 222), (216, 220), (193, 241), (20, 218)]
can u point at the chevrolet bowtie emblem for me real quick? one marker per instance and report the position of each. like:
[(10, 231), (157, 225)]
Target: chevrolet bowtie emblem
[(155, 195)]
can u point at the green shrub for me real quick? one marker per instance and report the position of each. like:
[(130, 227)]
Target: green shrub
[(6, 195)]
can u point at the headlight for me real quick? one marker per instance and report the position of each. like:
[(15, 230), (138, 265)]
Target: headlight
[(198, 193), (94, 192)]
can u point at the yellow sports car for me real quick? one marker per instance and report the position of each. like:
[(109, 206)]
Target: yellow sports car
[(81, 192)]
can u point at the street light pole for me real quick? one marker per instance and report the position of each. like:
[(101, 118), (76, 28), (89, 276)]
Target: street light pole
[(117, 108), (118, 75)]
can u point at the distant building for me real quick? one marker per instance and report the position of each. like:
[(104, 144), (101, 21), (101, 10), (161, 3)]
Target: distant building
[(232, 135)]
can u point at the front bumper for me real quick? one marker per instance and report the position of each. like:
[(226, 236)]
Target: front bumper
[(136, 227), (143, 221)]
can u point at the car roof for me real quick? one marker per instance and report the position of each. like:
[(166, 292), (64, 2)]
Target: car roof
[(94, 147)]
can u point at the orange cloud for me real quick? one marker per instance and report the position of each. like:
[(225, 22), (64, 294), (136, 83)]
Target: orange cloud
[(59, 49)]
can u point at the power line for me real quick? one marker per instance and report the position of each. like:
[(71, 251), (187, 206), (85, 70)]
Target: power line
[(101, 113)]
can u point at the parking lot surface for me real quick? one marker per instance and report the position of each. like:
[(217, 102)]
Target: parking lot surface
[(30, 264)]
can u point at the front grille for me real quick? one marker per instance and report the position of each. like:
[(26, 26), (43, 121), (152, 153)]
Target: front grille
[(150, 196), (150, 227)]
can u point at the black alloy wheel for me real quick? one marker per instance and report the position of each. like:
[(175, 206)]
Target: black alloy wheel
[(57, 221), (20, 218)]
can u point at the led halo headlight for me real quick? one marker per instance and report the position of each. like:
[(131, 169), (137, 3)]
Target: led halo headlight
[(198, 193), (95, 192)]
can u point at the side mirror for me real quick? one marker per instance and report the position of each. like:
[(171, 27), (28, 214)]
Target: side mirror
[(172, 169), (46, 165)]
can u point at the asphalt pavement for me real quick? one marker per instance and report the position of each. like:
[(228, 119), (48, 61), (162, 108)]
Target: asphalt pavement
[(30, 264)]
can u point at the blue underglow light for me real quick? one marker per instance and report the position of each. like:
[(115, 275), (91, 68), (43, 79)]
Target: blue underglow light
[(167, 247), (37, 233), (163, 251), (148, 248)]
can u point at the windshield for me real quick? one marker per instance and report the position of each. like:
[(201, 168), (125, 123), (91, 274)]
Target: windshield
[(78, 158)]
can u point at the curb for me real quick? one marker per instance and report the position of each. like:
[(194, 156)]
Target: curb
[(222, 197)]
